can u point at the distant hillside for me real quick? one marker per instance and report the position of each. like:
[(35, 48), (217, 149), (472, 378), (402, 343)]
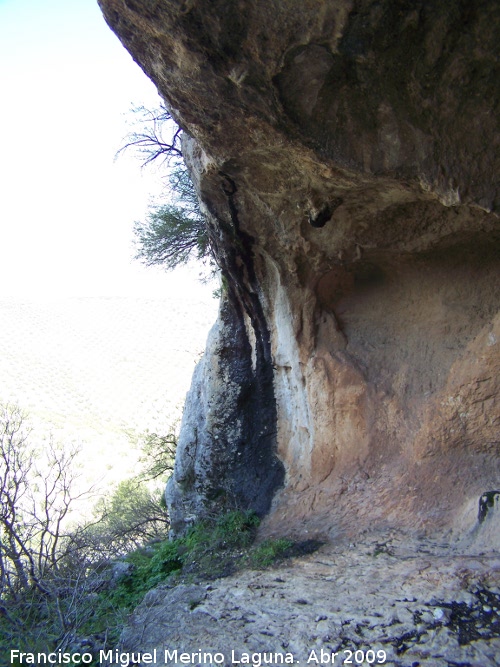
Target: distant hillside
[(90, 369)]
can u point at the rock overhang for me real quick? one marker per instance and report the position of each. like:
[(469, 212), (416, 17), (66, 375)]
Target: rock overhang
[(361, 142)]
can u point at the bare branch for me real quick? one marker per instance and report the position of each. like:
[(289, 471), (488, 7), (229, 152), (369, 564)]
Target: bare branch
[(159, 137)]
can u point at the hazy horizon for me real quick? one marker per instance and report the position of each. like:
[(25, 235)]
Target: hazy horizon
[(81, 365)]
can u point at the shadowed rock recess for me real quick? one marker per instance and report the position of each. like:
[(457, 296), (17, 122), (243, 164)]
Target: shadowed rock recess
[(347, 157)]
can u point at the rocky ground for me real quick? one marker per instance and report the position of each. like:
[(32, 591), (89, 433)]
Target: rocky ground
[(388, 599)]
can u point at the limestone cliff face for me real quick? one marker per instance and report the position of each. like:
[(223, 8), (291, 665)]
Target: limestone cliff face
[(347, 154), (226, 455)]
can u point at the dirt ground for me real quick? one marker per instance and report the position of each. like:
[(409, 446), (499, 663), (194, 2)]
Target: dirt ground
[(389, 599)]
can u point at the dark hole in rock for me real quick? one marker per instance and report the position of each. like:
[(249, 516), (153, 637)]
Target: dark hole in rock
[(325, 213), (486, 502)]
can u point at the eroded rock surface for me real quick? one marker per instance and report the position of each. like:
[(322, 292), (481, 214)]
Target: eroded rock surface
[(410, 598), (231, 392), (347, 154)]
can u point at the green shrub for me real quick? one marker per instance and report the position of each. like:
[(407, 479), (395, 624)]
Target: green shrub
[(268, 552), (166, 559), (130, 516), (236, 529), (170, 237), (209, 550)]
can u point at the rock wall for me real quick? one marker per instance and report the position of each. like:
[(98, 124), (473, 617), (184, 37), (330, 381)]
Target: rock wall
[(347, 157), (226, 456)]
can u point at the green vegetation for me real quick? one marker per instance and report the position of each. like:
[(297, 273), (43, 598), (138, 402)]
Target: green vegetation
[(170, 237), (61, 584), (382, 548), (128, 517), (174, 231), (269, 551), (52, 571), (210, 550), (158, 454)]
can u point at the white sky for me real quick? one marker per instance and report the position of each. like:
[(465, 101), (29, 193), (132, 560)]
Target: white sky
[(67, 211), (66, 208)]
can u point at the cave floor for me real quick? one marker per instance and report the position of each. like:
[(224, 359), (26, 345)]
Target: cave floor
[(418, 600)]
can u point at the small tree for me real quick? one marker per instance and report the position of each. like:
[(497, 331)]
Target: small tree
[(35, 499), (36, 495), (169, 237), (48, 569), (158, 454), (129, 517), (176, 231), (159, 136)]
